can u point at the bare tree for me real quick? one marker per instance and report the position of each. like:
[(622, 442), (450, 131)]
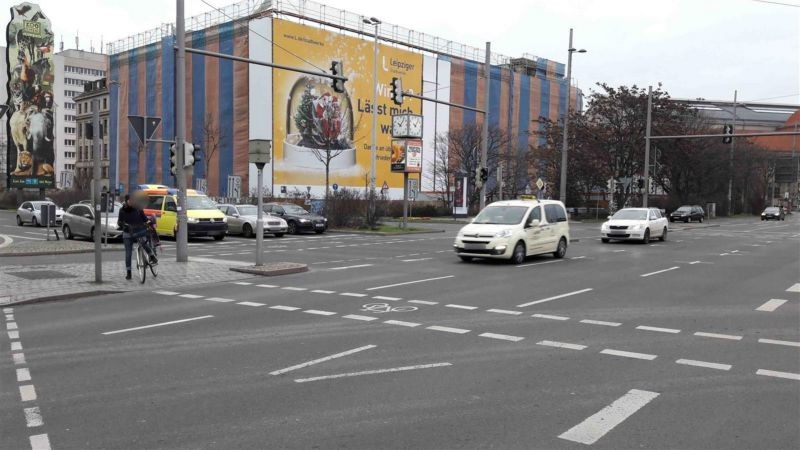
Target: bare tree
[(442, 172), (212, 138)]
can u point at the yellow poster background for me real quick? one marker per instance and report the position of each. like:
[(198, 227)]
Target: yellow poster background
[(311, 121)]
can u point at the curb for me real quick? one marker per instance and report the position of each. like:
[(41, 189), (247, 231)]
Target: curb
[(385, 233), (272, 270), (52, 253), (52, 298)]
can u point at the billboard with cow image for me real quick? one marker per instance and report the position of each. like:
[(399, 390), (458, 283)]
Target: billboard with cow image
[(31, 75)]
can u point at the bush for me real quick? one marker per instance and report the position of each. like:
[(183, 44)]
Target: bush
[(346, 208), (8, 198)]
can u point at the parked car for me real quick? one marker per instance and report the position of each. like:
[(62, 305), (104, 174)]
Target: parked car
[(635, 224), (79, 222), (297, 218), (31, 212), (242, 220), (515, 229), (773, 213), (203, 217), (688, 214)]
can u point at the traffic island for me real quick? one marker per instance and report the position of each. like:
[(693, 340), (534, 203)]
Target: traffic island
[(272, 269), (60, 247)]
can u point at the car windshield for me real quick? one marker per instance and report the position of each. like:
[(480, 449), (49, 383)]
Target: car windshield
[(501, 215), (771, 210), (294, 209), (630, 214), (684, 209), (199, 202), (248, 210)]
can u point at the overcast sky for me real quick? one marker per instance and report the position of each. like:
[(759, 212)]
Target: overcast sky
[(696, 48)]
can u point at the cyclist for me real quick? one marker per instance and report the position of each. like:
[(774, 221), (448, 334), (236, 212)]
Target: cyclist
[(134, 225)]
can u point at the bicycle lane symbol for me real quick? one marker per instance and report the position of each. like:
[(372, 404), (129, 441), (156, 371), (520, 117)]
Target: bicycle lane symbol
[(380, 308)]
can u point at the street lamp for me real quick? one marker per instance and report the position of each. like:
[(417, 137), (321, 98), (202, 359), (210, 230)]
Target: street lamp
[(376, 23), (562, 192), (116, 144)]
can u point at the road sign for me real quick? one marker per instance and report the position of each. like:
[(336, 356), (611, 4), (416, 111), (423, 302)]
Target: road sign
[(3, 109), (259, 151), (335, 187), (138, 124), (539, 184)]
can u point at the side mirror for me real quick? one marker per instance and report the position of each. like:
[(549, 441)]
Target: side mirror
[(235, 215), (609, 217), (87, 216), (533, 223)]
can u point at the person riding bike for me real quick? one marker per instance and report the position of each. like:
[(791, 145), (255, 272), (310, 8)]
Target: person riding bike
[(134, 225)]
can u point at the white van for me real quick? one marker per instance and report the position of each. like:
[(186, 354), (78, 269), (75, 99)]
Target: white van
[(515, 229)]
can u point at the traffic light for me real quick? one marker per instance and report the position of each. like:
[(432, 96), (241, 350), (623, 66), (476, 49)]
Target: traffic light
[(728, 129), (173, 159), (484, 174), (397, 91), (337, 69), (188, 154)]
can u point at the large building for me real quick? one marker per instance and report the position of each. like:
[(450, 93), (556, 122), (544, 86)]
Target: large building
[(230, 103), (73, 69), (84, 156)]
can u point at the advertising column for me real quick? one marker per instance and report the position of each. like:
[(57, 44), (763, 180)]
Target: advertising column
[(31, 155)]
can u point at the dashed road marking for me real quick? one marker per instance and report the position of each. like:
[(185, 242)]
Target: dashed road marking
[(556, 297), (166, 292), (268, 286), (596, 426), (658, 329), (409, 282), (319, 312), (19, 358), (601, 322), (219, 300), (423, 302), (16, 346), (401, 323), (241, 283), (771, 305), (706, 364), (391, 299), (561, 345), (503, 337), (415, 259), (27, 393), (794, 288), (540, 263), (156, 325), (659, 271), (350, 267), (719, 336), (33, 417), (11, 326), (448, 329), (284, 308), (777, 342), (250, 304), (322, 291), (23, 374), (192, 296), (13, 334), (773, 373), (549, 316), (505, 311), (372, 372), (469, 308), (320, 360), (352, 294), (292, 288), (361, 318), (625, 354)]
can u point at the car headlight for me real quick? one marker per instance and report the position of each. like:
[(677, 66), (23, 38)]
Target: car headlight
[(304, 221), (325, 219), (636, 227), (192, 220), (502, 234), (225, 219), (604, 226)]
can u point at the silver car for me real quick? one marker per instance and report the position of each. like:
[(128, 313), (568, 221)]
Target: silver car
[(79, 222), (31, 212), (242, 220)]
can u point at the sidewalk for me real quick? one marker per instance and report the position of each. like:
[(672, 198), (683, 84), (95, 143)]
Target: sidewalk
[(46, 281)]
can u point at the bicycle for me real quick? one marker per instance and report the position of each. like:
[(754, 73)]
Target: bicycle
[(146, 239), (385, 308)]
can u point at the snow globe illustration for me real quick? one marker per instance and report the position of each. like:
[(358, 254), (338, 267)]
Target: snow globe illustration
[(319, 127)]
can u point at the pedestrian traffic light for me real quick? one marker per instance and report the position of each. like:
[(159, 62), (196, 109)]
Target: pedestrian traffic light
[(338, 70), (397, 91), (188, 154), (484, 174), (173, 159), (728, 129)]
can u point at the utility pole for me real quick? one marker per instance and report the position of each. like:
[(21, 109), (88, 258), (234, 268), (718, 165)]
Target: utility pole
[(646, 193), (182, 238), (562, 190), (96, 170), (730, 160), (485, 133)]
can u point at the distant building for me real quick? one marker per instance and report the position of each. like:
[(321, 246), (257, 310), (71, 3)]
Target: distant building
[(84, 109), (73, 69)]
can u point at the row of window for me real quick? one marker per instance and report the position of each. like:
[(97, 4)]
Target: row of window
[(69, 105), (103, 127), (74, 81), (70, 130), (69, 118), (84, 71), (69, 166), (69, 155), (69, 142), (85, 152), (86, 107), (69, 93)]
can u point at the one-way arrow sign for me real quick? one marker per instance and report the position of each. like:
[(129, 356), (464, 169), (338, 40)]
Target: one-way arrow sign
[(138, 123)]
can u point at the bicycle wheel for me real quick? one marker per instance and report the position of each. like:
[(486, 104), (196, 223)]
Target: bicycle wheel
[(141, 263), (153, 268)]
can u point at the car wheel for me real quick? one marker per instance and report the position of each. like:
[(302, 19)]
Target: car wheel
[(319, 231), (605, 240), (278, 234), (247, 231), (466, 258), (687, 220), (91, 234), (19, 221), (518, 256), (646, 238), (663, 235), (67, 233), (671, 220), (561, 250), (292, 228), (219, 237), (34, 221), (700, 219)]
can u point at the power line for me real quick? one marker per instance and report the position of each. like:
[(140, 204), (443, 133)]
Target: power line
[(777, 3)]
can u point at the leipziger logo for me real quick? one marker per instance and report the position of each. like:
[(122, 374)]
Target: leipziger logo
[(396, 65)]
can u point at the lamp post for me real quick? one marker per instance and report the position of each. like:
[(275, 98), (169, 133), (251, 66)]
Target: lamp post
[(116, 144), (562, 192), (373, 155)]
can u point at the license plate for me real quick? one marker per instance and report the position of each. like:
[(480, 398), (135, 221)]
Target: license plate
[(319, 225), (474, 246)]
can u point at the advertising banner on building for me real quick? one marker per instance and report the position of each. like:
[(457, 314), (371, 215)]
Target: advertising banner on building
[(31, 75), (406, 156), (315, 127)]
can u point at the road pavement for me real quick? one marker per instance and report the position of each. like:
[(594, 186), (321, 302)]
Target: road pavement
[(392, 342)]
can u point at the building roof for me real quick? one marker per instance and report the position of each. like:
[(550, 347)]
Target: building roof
[(772, 115)]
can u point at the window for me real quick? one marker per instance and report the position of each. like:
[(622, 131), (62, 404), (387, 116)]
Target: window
[(170, 205), (498, 215), (105, 103), (536, 214), (79, 108), (155, 202), (550, 213)]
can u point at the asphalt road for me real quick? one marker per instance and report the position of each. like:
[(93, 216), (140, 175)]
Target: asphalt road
[(392, 342)]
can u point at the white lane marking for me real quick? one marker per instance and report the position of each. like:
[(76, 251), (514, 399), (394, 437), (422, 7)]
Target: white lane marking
[(556, 297), (11, 326), (372, 372), (795, 288), (470, 308), (33, 417), (540, 263), (190, 296), (409, 282), (322, 291), (448, 329), (290, 288), (596, 426), (619, 251), (771, 305), (27, 393), (578, 257), (657, 329), (625, 354), (548, 316), (156, 325), (8, 310), (319, 312), (219, 300), (284, 308), (709, 365), (268, 286), (19, 358), (719, 336), (503, 337), (415, 259), (352, 294), (561, 345), (23, 374), (13, 334), (361, 318), (391, 299), (423, 302), (16, 346), (350, 267), (401, 323), (601, 322), (776, 342), (250, 304), (326, 358), (659, 271), (773, 373), (166, 292), (505, 311), (241, 283)]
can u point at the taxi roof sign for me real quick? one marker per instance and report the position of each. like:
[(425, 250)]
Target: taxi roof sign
[(527, 197)]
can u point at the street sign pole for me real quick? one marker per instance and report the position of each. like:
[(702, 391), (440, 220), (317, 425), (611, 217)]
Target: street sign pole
[(260, 220), (485, 131), (96, 169), (647, 146), (405, 200), (182, 238)]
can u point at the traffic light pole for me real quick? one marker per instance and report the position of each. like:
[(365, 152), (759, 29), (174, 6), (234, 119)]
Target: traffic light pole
[(730, 160), (181, 238), (485, 132), (645, 195)]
